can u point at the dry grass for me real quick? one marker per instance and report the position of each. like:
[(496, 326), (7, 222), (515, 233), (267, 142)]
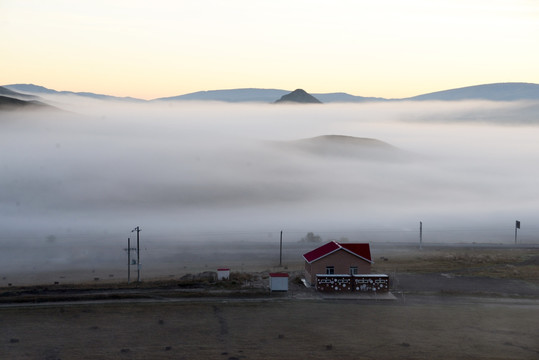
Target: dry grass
[(528, 273), (522, 264)]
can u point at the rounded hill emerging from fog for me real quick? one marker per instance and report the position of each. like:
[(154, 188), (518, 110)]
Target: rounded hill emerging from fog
[(298, 96), (351, 141), (346, 147)]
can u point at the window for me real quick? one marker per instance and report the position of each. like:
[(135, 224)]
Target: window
[(353, 270), (330, 270)]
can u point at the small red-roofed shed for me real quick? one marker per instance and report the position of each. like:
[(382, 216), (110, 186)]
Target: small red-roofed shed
[(337, 258), (223, 274), (278, 281)]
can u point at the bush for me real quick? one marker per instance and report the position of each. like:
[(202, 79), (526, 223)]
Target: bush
[(311, 238)]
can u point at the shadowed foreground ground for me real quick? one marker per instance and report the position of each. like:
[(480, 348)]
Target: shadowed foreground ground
[(421, 328)]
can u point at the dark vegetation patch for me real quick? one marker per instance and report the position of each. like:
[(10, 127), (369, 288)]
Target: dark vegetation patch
[(189, 286)]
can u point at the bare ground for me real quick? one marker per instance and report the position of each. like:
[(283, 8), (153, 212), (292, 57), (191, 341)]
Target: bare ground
[(452, 303), (278, 329)]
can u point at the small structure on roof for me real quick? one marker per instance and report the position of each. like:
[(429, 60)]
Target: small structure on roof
[(278, 281), (337, 258), (223, 274)]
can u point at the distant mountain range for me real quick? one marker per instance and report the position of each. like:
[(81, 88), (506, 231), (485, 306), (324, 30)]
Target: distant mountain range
[(261, 95), (40, 90), (495, 92), (233, 95)]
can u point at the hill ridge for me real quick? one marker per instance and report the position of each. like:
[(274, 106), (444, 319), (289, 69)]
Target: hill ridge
[(504, 91)]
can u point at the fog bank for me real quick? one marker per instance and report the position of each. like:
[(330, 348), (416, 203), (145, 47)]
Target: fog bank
[(198, 171)]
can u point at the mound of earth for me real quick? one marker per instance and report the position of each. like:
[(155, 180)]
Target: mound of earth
[(345, 147)]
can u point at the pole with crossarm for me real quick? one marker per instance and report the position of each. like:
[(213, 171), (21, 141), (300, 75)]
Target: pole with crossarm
[(517, 226), (137, 229)]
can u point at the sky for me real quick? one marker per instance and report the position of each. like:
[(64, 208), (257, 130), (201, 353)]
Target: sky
[(151, 49)]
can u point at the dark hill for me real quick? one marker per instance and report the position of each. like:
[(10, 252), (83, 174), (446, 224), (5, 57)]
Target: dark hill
[(298, 96), (10, 104), (12, 94)]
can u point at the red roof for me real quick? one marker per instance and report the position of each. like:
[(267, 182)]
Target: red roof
[(278, 274), (361, 250), (321, 251)]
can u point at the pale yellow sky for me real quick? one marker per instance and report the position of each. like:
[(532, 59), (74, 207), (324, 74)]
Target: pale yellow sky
[(150, 49)]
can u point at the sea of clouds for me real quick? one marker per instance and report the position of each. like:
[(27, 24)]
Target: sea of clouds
[(196, 171)]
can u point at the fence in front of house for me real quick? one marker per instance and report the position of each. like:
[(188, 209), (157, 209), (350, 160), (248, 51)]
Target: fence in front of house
[(352, 283)]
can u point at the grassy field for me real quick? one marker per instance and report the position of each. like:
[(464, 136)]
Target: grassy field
[(506, 263)]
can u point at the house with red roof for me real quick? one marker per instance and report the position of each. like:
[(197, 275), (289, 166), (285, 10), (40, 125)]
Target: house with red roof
[(337, 258)]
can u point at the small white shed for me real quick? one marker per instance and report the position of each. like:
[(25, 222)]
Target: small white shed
[(278, 281), (223, 274)]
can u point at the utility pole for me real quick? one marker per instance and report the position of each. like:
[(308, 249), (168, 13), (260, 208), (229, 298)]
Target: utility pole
[(137, 229), (128, 260), (420, 235), (517, 226), (129, 249), (281, 250)]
